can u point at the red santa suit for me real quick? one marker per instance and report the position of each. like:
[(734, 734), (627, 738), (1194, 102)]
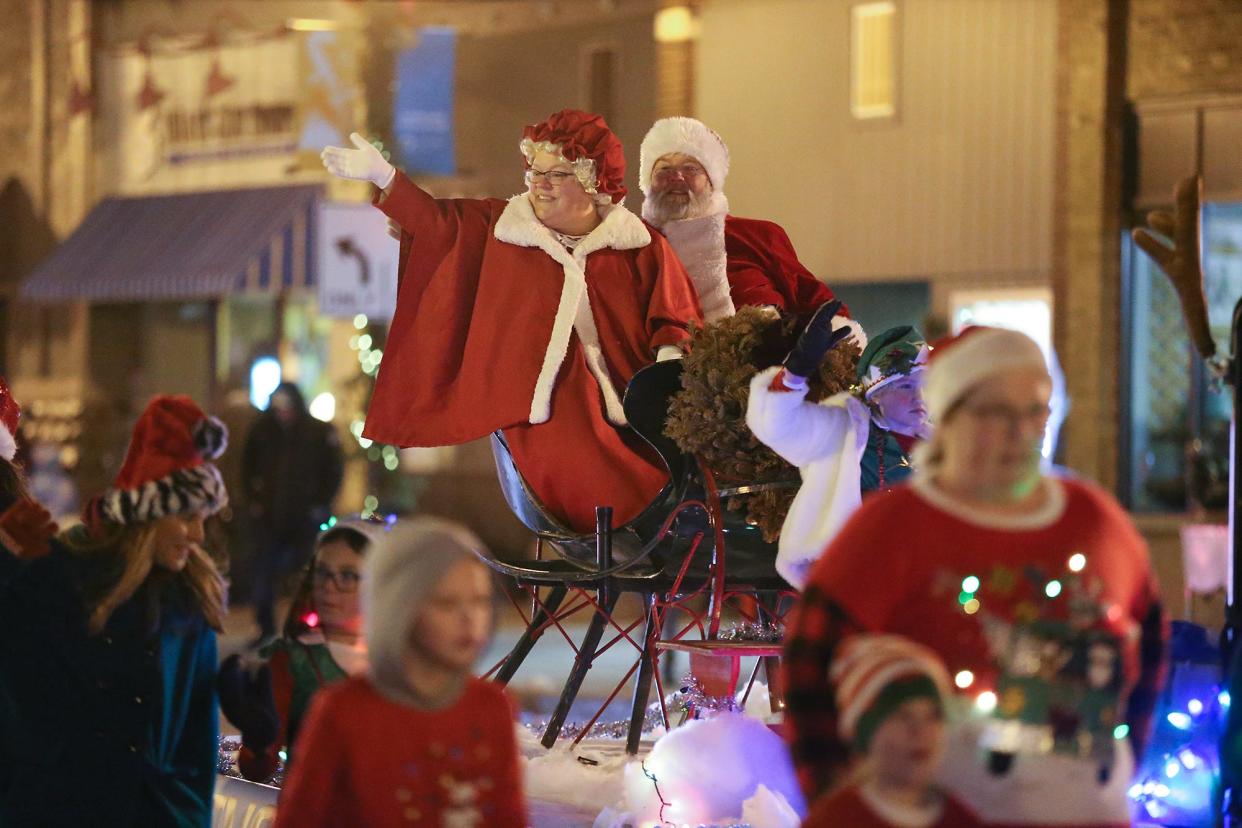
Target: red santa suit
[(499, 326), (732, 261)]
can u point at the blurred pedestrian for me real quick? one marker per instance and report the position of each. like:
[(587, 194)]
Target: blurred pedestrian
[(418, 739), (291, 471)]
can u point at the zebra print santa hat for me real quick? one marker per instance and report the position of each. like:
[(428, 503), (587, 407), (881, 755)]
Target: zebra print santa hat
[(166, 470)]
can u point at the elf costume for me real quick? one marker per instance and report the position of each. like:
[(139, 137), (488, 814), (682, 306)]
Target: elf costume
[(374, 752), (840, 446), (732, 261), (116, 726), (1049, 621), (299, 668), (268, 701), (502, 324)]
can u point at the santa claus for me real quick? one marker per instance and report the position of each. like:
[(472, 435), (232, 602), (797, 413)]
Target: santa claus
[(529, 316), (732, 261)]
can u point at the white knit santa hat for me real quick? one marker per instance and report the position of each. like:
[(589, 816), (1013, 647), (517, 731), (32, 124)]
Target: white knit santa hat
[(686, 136), (868, 664), (958, 363)]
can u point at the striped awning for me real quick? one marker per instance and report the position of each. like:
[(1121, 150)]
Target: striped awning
[(182, 247)]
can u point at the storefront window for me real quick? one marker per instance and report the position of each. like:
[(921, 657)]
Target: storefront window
[(1176, 421)]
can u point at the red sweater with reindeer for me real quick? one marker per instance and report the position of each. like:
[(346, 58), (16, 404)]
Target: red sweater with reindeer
[(1051, 622), (366, 760)]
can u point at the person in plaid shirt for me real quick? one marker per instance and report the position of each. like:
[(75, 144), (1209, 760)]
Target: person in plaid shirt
[(1035, 590)]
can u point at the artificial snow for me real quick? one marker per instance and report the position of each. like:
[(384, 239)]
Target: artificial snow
[(707, 770), (725, 770)]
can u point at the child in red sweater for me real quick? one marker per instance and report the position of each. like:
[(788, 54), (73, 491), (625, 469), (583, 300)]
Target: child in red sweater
[(416, 740), (891, 694)]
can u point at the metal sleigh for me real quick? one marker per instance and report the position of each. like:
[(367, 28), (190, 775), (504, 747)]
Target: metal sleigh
[(684, 546)]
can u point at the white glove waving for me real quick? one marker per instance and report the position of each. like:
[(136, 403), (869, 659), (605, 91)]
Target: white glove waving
[(365, 163)]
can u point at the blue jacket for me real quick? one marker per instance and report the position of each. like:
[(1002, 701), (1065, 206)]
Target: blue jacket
[(115, 729)]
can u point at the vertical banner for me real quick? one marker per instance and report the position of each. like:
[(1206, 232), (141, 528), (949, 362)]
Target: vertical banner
[(423, 110)]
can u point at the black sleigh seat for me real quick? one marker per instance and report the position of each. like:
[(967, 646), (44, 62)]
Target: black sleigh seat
[(654, 543)]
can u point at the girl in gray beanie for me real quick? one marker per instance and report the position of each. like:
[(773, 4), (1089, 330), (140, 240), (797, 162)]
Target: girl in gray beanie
[(417, 738)]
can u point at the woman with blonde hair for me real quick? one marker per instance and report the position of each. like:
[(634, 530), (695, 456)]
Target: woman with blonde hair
[(108, 662)]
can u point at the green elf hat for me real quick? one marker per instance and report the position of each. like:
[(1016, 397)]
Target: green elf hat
[(894, 353)]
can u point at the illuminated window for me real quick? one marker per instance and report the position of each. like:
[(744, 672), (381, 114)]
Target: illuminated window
[(1028, 310), (873, 60)]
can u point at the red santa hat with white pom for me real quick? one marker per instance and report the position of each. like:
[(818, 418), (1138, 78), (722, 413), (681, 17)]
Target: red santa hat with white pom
[(10, 415), (167, 469)]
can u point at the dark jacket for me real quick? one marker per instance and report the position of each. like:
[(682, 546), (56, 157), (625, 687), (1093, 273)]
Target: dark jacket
[(291, 473), (115, 729)]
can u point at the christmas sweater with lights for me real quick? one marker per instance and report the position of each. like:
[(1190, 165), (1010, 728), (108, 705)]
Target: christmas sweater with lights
[(1047, 622)]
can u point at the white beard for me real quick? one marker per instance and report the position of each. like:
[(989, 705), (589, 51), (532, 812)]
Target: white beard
[(659, 211), (698, 241)]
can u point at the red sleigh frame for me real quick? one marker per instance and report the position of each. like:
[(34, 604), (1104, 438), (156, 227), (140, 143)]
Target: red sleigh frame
[(676, 552)]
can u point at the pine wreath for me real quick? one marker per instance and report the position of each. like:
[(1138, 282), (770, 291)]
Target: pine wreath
[(708, 416)]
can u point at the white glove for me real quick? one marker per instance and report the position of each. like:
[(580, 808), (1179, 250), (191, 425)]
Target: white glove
[(362, 164)]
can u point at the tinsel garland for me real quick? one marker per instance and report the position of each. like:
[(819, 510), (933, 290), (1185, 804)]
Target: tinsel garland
[(752, 631), (227, 748), (707, 417), (689, 701)]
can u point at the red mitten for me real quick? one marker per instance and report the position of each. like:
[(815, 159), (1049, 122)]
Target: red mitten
[(26, 528)]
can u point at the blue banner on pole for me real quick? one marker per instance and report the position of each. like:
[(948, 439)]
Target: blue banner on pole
[(423, 114)]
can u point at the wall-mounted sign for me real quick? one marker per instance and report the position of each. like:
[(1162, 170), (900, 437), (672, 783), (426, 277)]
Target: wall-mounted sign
[(357, 262)]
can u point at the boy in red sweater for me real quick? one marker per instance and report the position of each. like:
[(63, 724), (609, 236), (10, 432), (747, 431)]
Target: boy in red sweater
[(416, 740), (891, 695)]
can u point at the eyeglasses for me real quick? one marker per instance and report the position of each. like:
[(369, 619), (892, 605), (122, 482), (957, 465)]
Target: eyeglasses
[(1004, 415), (687, 172), (345, 581), (554, 177)]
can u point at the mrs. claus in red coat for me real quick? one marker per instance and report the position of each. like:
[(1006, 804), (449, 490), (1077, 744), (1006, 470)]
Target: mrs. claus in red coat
[(530, 316)]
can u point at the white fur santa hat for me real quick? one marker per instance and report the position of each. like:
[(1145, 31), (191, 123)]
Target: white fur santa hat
[(10, 414), (689, 137), (958, 363)]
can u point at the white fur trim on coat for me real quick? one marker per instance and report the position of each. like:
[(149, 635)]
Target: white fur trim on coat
[(689, 137), (700, 244), (8, 445), (619, 230), (825, 441)]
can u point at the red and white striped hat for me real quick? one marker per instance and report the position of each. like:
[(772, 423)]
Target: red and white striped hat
[(869, 664)]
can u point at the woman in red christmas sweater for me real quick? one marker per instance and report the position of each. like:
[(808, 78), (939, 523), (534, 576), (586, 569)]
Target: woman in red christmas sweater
[(417, 740), (1036, 591)]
